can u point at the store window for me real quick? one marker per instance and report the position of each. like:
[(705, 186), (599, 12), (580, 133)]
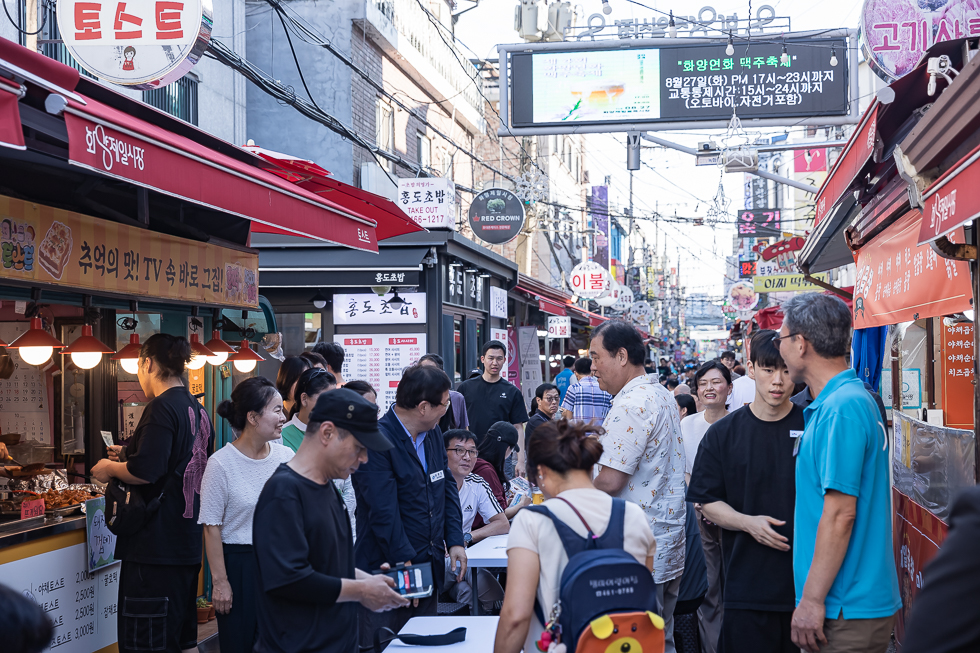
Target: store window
[(423, 149), (179, 99)]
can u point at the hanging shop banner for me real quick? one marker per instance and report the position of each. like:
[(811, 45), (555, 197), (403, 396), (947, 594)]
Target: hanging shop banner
[(900, 281), (590, 280), (498, 302), (430, 201), (599, 214), (368, 308), (496, 216), (379, 359), (559, 326), (806, 161), (529, 356), (787, 283), (145, 44), (896, 33), (41, 244), (953, 201), (917, 536), (958, 375)]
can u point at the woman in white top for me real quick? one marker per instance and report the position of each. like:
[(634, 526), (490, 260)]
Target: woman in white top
[(232, 482), (712, 384), (560, 458)]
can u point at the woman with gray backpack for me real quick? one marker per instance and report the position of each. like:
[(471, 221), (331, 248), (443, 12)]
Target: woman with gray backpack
[(578, 570)]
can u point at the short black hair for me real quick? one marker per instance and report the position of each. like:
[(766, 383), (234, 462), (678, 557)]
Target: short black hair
[(314, 359), (458, 434), (763, 351), (568, 361), (687, 401), (707, 367), (583, 366), (620, 334), (251, 395), (672, 383), (435, 358), (27, 629), (421, 383), (493, 344), (332, 352), (727, 354), (171, 353), (289, 372)]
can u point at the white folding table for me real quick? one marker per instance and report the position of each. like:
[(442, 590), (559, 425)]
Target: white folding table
[(480, 633), (490, 552)]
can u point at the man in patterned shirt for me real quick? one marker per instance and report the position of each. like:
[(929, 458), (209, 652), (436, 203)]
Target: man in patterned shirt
[(643, 454), (584, 400)]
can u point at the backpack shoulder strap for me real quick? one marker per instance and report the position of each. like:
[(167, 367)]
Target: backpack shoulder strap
[(614, 536), (572, 541)]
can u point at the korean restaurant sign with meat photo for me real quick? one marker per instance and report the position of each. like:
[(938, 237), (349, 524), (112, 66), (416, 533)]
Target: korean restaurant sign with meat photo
[(144, 44)]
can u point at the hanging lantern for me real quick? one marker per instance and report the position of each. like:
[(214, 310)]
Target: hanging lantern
[(87, 350), (245, 358), (220, 348), (199, 353), (129, 356), (36, 345)]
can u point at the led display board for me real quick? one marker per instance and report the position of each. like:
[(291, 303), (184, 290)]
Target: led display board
[(678, 83)]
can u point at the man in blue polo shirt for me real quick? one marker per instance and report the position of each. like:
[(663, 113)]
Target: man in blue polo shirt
[(844, 570)]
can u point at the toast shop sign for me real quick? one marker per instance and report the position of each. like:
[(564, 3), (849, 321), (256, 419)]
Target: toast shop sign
[(144, 44)]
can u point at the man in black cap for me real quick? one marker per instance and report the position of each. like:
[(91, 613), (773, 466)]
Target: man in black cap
[(308, 587)]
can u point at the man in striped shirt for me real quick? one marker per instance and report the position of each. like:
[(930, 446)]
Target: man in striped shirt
[(585, 401), (475, 496)]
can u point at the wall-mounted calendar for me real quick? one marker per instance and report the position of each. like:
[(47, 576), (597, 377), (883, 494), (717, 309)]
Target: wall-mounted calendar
[(24, 400)]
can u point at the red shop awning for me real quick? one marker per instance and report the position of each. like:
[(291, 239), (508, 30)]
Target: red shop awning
[(953, 200), (596, 320), (392, 221), (11, 132), (548, 306), (110, 142), (857, 152)]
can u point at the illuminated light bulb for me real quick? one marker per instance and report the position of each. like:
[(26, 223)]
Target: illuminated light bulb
[(784, 57), (199, 353), (245, 358), (218, 359), (245, 366), (833, 56), (130, 365), (87, 350), (671, 27), (197, 362), (36, 355), (730, 50), (86, 360), (220, 348)]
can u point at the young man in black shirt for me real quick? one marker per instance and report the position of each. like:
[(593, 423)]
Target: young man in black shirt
[(308, 588), (745, 478), (491, 398)]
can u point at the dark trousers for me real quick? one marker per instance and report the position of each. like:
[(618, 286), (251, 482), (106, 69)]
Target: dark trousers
[(751, 631), (157, 610), (238, 629), (369, 622)]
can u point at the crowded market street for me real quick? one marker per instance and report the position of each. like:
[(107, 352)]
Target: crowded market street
[(489, 326)]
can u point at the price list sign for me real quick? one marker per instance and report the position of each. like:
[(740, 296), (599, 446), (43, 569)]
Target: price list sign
[(82, 606), (957, 348), (379, 359)]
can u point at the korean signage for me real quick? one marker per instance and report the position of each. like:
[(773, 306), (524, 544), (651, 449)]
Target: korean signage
[(952, 203), (895, 34), (430, 201), (911, 388), (496, 216), (787, 283), (46, 245), (101, 541), (368, 308), (958, 375), (465, 287), (559, 326), (899, 281), (529, 357), (759, 222), (805, 161), (747, 269), (589, 280), (498, 302), (146, 43), (599, 214), (683, 82), (379, 359)]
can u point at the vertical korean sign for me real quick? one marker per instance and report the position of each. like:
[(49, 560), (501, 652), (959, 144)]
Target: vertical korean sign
[(600, 222), (47, 245), (958, 357)]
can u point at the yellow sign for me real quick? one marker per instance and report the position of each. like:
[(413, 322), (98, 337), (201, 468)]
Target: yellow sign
[(787, 283), (42, 244)]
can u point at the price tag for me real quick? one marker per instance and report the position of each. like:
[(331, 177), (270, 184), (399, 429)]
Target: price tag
[(32, 508)]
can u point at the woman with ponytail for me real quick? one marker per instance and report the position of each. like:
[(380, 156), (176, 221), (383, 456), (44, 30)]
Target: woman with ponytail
[(232, 483), (560, 458)]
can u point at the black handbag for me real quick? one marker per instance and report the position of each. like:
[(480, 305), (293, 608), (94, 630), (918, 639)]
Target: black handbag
[(127, 510)]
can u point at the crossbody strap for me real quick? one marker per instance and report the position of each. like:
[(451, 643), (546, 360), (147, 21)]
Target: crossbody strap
[(588, 528)]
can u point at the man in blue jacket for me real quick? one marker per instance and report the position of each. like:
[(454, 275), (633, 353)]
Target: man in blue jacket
[(407, 503)]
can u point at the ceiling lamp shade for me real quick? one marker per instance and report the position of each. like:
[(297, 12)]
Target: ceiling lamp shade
[(87, 350), (36, 345), (245, 358), (220, 348), (199, 353), (129, 356)]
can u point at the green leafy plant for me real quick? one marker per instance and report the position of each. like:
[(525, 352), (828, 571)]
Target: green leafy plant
[(202, 602)]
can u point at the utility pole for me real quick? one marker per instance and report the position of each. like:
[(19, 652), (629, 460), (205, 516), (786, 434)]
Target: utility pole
[(629, 236)]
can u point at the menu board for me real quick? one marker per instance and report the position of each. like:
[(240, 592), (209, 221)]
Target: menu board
[(379, 359), (958, 375), (81, 605), (24, 396)]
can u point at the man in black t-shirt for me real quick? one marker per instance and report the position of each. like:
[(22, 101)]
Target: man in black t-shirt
[(745, 478), (308, 588), (491, 398)]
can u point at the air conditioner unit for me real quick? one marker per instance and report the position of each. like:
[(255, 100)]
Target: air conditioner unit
[(375, 180)]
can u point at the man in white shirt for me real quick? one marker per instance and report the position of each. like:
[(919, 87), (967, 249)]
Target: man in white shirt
[(475, 496), (743, 391), (643, 454)]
